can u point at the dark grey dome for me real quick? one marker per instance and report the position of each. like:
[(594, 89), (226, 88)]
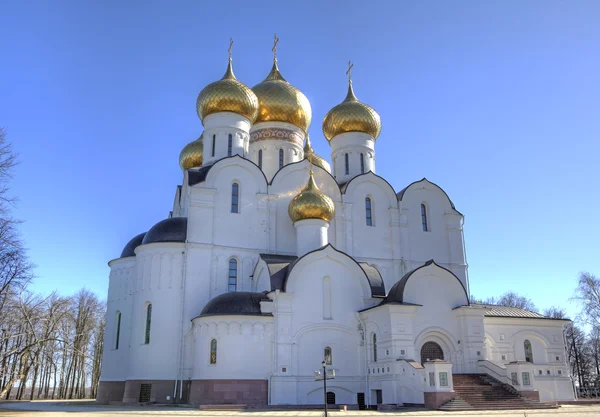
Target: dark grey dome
[(235, 304), (173, 229), (129, 249)]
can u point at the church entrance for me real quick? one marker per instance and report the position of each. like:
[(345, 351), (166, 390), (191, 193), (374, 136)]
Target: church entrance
[(431, 351)]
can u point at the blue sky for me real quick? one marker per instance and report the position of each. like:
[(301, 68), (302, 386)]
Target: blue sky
[(495, 101)]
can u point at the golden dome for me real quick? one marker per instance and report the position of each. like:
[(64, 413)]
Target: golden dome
[(313, 158), (279, 101), (191, 154), (227, 94), (351, 116), (311, 203)]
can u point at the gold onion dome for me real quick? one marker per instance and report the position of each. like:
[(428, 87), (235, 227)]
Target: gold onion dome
[(313, 158), (191, 154), (351, 116), (227, 94), (279, 101), (311, 203)]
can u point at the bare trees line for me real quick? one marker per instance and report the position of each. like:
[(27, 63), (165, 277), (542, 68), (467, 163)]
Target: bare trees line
[(582, 336), (50, 347)]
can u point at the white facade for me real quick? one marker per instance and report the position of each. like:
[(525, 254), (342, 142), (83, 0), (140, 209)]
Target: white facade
[(241, 295)]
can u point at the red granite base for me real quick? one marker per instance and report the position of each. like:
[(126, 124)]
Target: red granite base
[(229, 391), (532, 395), (110, 391), (434, 400)]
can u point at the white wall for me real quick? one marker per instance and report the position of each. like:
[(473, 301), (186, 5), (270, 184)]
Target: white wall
[(244, 347)]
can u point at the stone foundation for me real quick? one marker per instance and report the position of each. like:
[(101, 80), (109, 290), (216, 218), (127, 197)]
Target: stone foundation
[(532, 395), (229, 391), (110, 391), (161, 389), (434, 400)]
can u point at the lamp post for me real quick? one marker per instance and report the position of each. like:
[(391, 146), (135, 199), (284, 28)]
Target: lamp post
[(323, 375), (324, 365)]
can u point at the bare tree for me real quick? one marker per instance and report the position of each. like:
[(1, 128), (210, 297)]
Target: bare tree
[(588, 295), (508, 299)]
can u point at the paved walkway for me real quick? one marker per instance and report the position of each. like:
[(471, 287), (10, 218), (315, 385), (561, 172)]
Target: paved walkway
[(89, 409)]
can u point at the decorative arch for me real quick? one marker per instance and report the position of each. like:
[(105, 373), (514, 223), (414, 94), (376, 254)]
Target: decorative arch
[(328, 251), (302, 164), (349, 188), (215, 171), (440, 336), (401, 194)]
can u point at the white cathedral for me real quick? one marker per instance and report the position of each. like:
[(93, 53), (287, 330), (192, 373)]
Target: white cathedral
[(272, 264)]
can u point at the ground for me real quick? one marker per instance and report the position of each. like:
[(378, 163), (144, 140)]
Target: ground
[(89, 409)]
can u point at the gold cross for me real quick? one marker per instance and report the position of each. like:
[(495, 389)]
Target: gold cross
[(230, 45), (349, 72), (274, 49)]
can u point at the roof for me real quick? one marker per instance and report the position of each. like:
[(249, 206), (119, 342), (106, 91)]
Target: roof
[(396, 294), (375, 280), (129, 249), (280, 267), (504, 311), (235, 304), (196, 176), (173, 229)]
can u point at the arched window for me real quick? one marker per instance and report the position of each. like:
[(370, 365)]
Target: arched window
[(280, 158), (260, 159), (362, 163), (327, 356), (118, 326), (213, 145), (232, 279), (368, 211), (229, 145), (330, 397), (528, 351), (431, 351), (424, 217), (213, 351), (148, 323), (374, 347), (235, 197), (346, 164)]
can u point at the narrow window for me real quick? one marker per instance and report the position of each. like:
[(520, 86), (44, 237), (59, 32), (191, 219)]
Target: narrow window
[(368, 212), (362, 163), (424, 217), (213, 145), (327, 356), (235, 196), (232, 281), (327, 298), (374, 347), (528, 351), (148, 322), (229, 145), (213, 351), (118, 330), (280, 158), (347, 165), (260, 159)]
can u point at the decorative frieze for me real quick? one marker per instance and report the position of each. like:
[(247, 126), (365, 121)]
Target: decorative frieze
[(276, 133)]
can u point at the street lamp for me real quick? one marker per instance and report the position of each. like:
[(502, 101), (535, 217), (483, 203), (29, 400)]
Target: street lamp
[(322, 375)]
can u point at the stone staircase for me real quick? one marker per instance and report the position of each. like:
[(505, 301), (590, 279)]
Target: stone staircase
[(482, 392)]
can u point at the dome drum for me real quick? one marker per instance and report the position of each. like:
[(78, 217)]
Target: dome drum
[(276, 133)]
